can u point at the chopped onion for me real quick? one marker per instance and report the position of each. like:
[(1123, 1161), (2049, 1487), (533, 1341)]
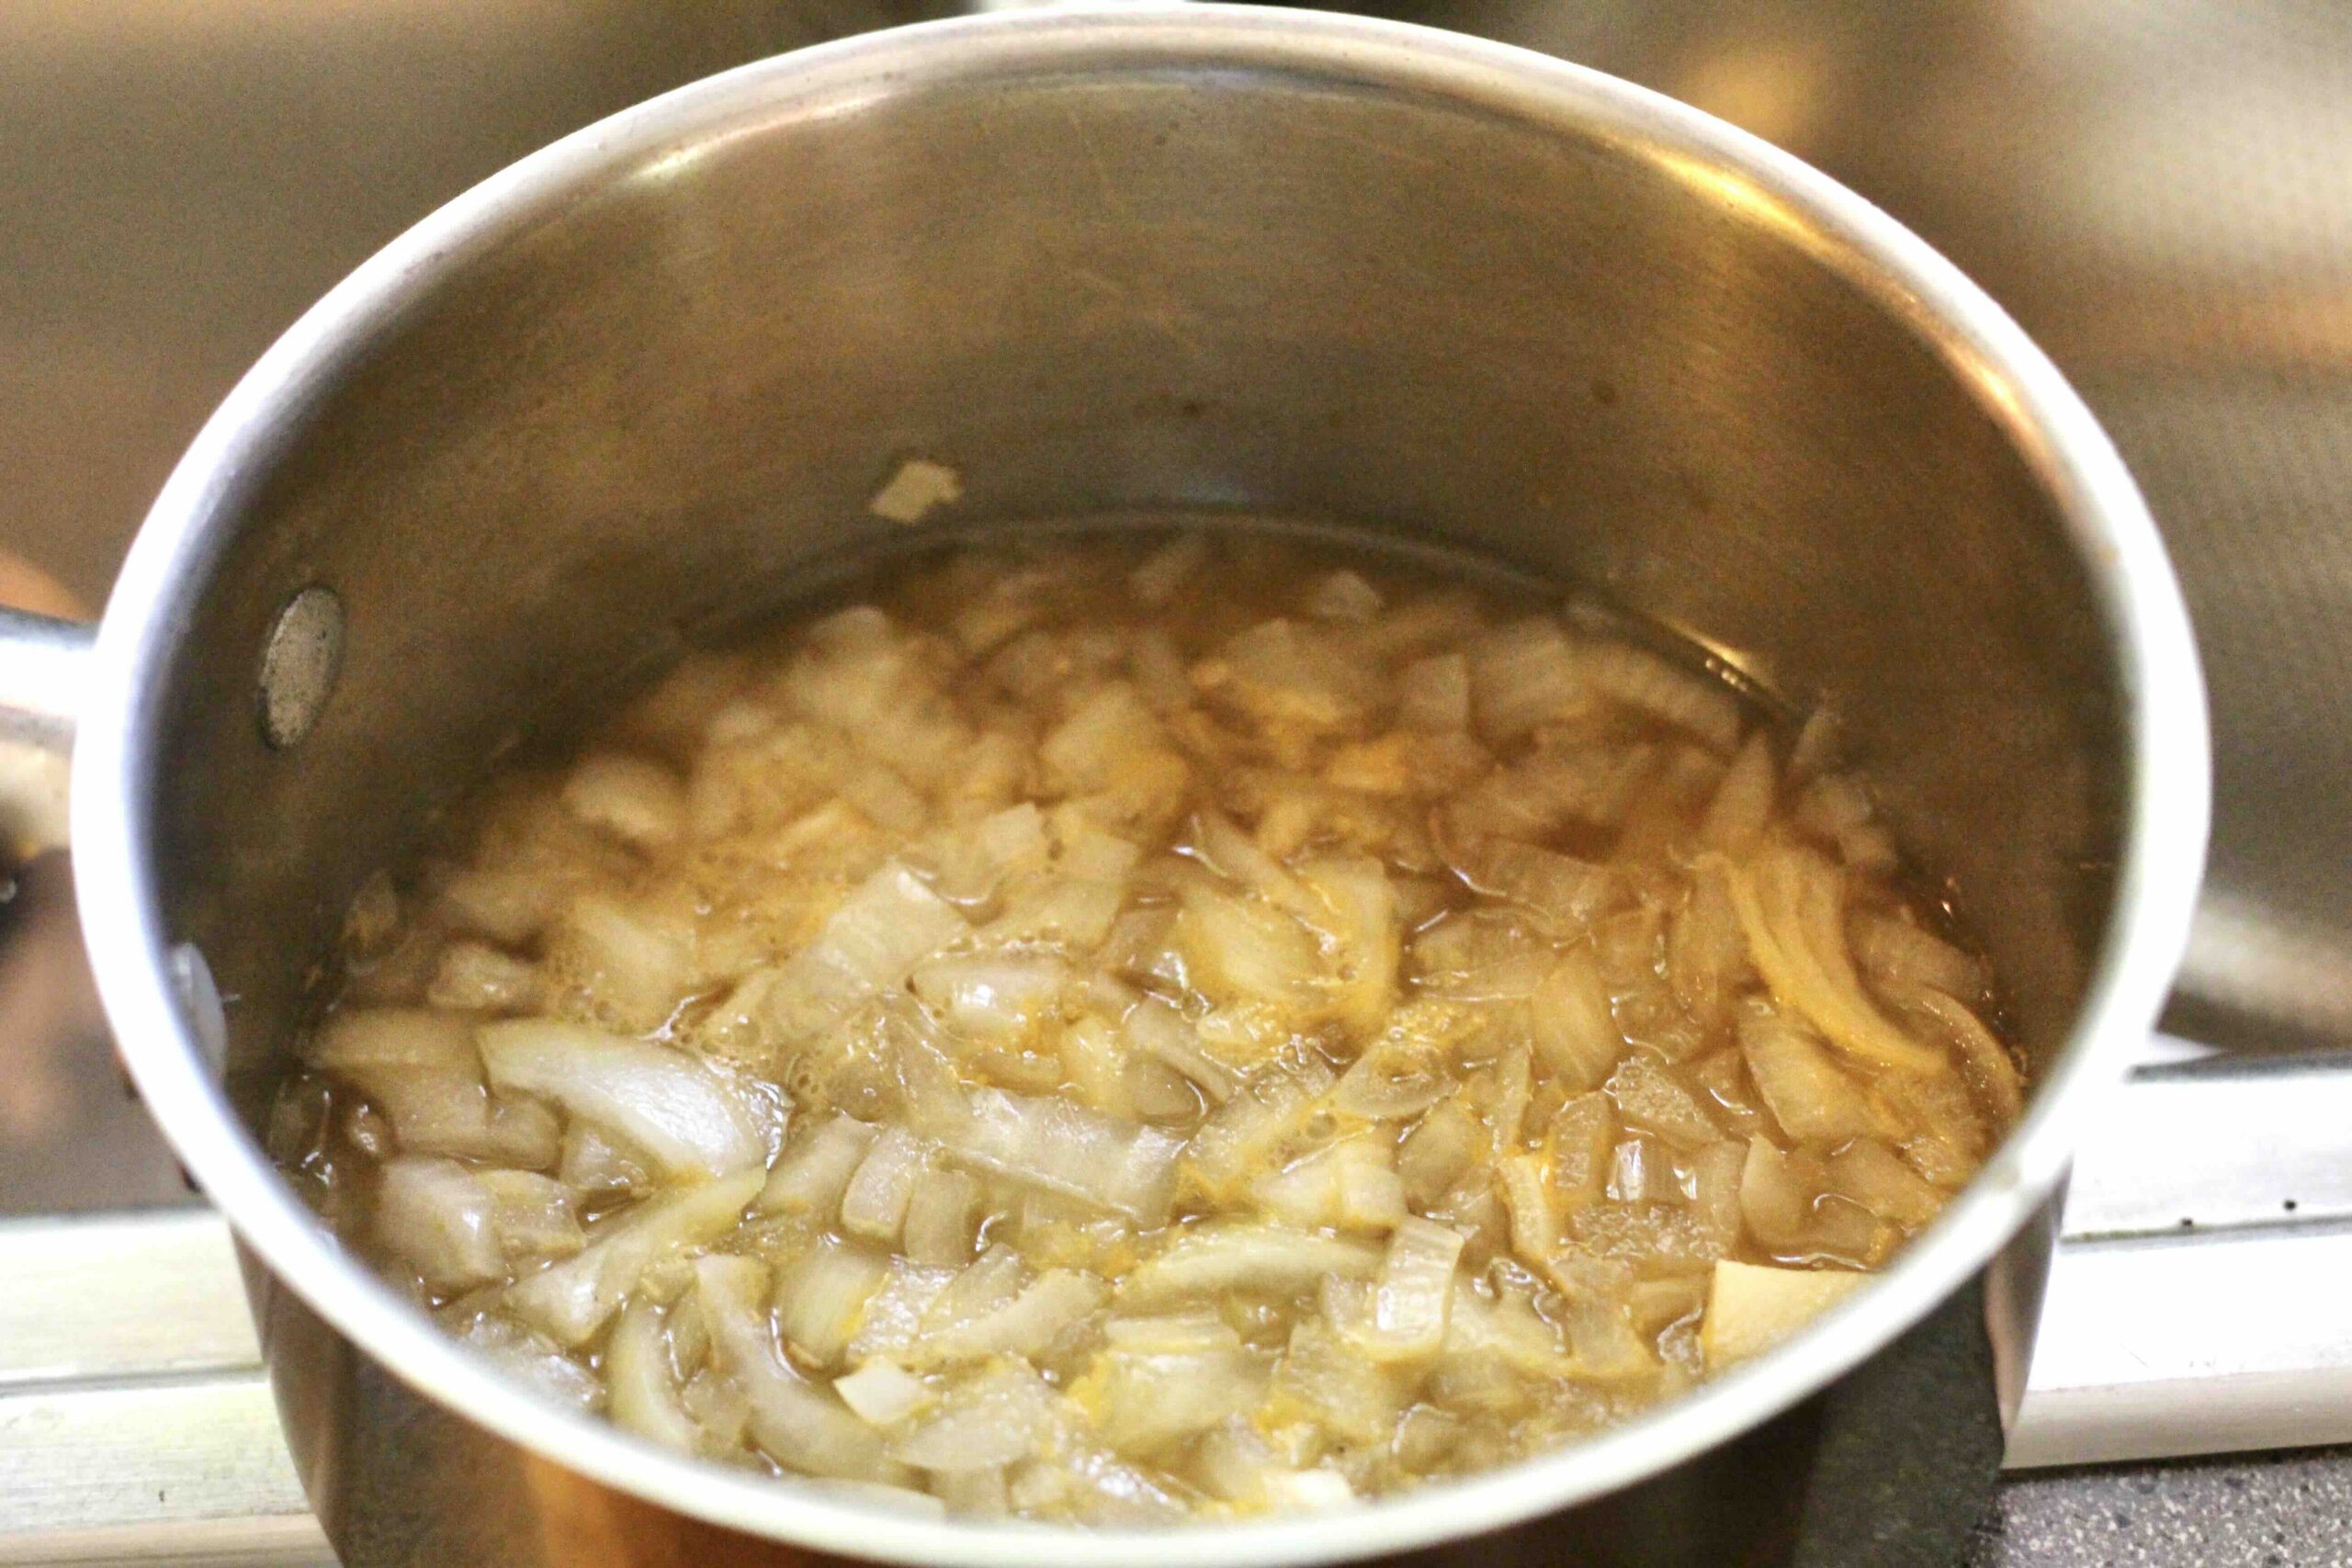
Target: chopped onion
[(1438, 1150), (1263, 1259), (874, 1205), (644, 1389), (436, 1216), (1640, 679), (1868, 1173), (821, 1297), (1004, 1414), (635, 800), (1025, 1325), (1065, 1148), (1648, 1097), (816, 1170), (883, 1393), (1569, 1022), (573, 1299), (891, 923), (673, 1107), (532, 1214), (1157, 1030), (1433, 693), (530, 1361), (1241, 947), (794, 1423), (992, 997), (894, 1315), (628, 965), (1349, 1186), (1525, 674), (472, 978), (1286, 675), (1986, 1061), (939, 1218), (1790, 903), (1359, 921), (1143, 1401), (420, 1070), (1582, 1134), (1414, 1296), (1233, 1062), (1812, 1101), (1560, 894), (1263, 1112)]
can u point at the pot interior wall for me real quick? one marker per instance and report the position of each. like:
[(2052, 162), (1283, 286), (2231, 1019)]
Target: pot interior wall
[(626, 413)]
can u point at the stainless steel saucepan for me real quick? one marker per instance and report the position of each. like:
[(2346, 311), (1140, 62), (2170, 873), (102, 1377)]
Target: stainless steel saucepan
[(1122, 262)]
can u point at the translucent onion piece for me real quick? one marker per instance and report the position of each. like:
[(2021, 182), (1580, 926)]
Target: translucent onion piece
[(821, 1296), (816, 1168), (1648, 1097), (644, 1389), (1259, 1116), (532, 1214), (472, 978), (1025, 1325), (883, 1393), (992, 997), (1640, 679), (1065, 1148), (793, 1421), (1790, 903), (874, 1205), (1809, 1096), (420, 1070), (887, 926), (1001, 1415), (634, 799), (1263, 1259), (436, 1216), (573, 1299), (1987, 1063), (1349, 1186), (1141, 1403), (1525, 674), (1159, 1031), (1414, 1296), (1433, 693), (940, 1216), (1359, 921), (1570, 1023), (670, 1105)]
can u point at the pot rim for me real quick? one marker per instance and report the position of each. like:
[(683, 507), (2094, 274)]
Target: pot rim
[(186, 530)]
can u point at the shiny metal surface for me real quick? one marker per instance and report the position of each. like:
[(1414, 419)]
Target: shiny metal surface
[(43, 662), (1306, 268)]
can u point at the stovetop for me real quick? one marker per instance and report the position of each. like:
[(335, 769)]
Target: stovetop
[(2158, 188)]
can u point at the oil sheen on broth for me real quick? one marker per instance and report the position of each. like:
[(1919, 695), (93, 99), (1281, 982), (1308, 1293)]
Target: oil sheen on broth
[(1126, 1032)]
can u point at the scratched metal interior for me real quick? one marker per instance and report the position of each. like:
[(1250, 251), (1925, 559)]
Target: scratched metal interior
[(2161, 190)]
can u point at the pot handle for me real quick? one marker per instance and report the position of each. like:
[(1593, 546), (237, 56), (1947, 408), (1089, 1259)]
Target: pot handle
[(44, 668)]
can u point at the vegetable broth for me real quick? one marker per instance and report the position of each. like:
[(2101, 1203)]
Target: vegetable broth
[(1122, 1032)]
